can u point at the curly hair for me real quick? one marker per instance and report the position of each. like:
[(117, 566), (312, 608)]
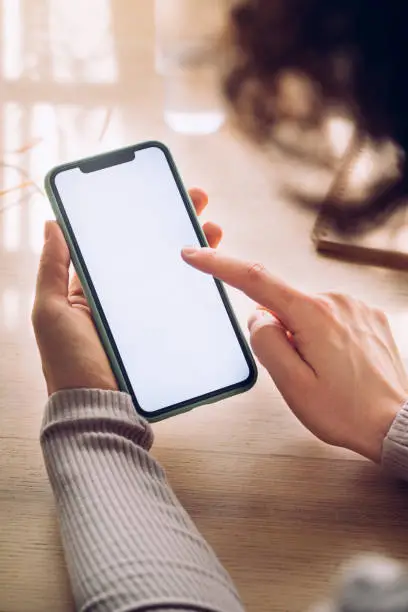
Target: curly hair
[(353, 52)]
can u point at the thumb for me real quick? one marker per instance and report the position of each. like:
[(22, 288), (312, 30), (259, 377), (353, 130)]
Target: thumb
[(277, 354), (53, 273)]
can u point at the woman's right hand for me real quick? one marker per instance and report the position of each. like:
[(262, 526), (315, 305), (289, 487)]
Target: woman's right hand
[(333, 358)]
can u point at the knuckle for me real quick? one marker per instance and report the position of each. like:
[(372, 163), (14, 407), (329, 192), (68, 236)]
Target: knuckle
[(362, 306), (256, 271), (341, 300), (212, 256), (335, 296), (325, 305), (380, 316)]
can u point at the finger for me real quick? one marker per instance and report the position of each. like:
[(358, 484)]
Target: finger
[(199, 198), (53, 273), (213, 233), (79, 301), (76, 294), (252, 279), (75, 287), (274, 350)]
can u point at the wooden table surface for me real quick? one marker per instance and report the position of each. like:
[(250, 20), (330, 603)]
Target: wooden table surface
[(281, 510)]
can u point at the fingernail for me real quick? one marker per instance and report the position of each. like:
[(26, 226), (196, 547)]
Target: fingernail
[(47, 229), (259, 315), (190, 251)]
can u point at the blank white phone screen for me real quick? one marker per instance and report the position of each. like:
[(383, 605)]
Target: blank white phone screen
[(168, 321)]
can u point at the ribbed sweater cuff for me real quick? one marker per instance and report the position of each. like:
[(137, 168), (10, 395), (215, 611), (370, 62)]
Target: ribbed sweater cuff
[(128, 543), (93, 409), (395, 449)]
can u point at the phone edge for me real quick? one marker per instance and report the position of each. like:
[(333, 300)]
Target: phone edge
[(100, 327)]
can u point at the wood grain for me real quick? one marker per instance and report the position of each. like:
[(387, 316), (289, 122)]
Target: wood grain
[(281, 509)]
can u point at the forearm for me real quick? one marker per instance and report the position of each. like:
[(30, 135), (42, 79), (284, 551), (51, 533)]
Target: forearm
[(395, 449), (129, 545)]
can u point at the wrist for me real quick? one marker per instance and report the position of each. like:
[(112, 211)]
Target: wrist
[(64, 379), (372, 447), (395, 448)]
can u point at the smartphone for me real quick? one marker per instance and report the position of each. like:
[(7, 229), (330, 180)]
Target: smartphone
[(169, 331)]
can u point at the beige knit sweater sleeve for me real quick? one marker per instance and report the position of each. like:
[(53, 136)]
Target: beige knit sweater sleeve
[(395, 449), (128, 543)]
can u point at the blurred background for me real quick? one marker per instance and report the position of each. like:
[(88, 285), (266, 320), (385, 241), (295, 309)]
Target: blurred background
[(86, 76)]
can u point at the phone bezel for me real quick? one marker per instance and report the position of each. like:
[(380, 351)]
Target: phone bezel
[(109, 159)]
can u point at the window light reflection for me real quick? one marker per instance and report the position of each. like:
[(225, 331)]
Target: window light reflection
[(11, 37), (79, 130), (38, 212), (11, 213), (11, 308), (80, 53), (44, 124), (13, 117), (11, 178)]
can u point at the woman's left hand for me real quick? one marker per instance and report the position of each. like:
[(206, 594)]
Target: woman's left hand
[(71, 352)]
